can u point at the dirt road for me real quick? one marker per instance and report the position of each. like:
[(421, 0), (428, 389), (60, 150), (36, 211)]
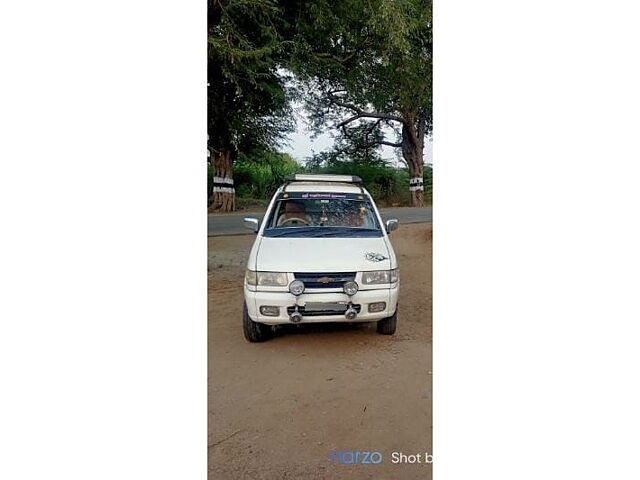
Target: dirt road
[(277, 409)]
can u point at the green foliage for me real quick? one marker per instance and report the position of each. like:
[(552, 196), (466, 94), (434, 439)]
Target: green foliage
[(259, 173), (427, 178), (363, 66), (364, 60), (247, 101), (384, 183), (389, 185)]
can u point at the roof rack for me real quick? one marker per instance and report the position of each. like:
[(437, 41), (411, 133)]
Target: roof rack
[(305, 177)]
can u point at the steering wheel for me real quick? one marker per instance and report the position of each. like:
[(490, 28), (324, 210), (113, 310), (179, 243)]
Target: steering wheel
[(294, 219)]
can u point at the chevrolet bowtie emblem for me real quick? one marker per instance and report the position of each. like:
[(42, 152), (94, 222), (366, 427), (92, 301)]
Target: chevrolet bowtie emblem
[(325, 279)]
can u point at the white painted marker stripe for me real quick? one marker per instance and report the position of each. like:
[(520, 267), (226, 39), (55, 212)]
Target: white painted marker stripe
[(223, 180), (415, 189), (224, 190)]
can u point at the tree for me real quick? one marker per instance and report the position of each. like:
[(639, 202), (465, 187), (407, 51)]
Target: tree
[(366, 67), (247, 103)]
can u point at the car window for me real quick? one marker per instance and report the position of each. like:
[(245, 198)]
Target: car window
[(328, 211)]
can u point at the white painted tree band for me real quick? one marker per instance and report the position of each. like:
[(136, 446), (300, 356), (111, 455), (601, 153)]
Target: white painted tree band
[(224, 190), (416, 184), (223, 180)]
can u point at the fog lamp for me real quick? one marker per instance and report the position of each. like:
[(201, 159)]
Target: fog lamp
[(350, 288), (296, 287), (351, 313), (270, 311), (377, 307), (296, 316)]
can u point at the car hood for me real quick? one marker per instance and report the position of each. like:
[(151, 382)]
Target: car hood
[(286, 254)]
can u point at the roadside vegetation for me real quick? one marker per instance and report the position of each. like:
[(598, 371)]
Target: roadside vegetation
[(257, 178)]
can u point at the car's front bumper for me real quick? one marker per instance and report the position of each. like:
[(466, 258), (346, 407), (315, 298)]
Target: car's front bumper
[(283, 300)]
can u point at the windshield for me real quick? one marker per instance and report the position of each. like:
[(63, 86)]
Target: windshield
[(317, 214)]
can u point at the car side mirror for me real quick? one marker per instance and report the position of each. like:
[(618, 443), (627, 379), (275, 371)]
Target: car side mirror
[(392, 225), (252, 224)]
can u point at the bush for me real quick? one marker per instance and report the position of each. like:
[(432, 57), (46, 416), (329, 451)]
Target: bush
[(381, 180), (258, 174), (388, 185)]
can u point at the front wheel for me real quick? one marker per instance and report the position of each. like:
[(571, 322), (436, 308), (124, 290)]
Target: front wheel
[(387, 326), (254, 331)]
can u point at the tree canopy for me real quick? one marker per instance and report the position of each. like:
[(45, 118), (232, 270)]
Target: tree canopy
[(366, 70), (362, 69), (248, 104)]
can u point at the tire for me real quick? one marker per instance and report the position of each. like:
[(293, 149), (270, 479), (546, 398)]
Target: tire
[(254, 331), (387, 326)]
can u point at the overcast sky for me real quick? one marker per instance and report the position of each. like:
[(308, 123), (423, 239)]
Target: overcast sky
[(301, 145)]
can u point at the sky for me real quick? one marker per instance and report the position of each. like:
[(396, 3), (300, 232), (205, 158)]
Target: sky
[(301, 145)]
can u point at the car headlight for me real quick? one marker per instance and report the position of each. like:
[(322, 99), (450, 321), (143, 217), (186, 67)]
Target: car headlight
[(272, 279), (266, 279), (380, 276), (251, 277)]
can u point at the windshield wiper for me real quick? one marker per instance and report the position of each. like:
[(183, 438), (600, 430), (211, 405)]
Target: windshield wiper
[(287, 232), (353, 232), (320, 232)]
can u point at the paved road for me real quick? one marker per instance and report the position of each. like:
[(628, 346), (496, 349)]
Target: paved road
[(233, 225)]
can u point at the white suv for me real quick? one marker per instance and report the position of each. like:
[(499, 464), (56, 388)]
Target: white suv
[(322, 254)]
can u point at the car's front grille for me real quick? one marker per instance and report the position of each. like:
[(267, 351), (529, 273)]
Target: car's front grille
[(325, 280), (317, 313)]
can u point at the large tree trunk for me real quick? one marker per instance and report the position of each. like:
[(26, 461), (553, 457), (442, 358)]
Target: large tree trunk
[(412, 152), (224, 194)]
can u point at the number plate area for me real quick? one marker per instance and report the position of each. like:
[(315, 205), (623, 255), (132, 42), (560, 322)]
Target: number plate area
[(325, 306)]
